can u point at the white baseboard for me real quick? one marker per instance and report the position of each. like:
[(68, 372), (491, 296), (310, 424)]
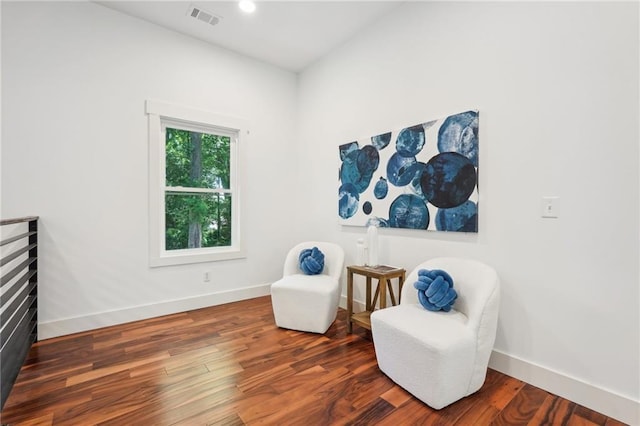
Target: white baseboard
[(49, 329), (598, 399), (358, 306)]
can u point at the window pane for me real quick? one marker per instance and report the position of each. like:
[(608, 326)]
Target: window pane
[(197, 160), (197, 220)]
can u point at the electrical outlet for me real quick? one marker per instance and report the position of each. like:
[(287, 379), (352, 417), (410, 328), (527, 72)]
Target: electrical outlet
[(205, 277)]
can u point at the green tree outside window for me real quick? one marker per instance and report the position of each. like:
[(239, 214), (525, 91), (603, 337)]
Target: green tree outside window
[(197, 195)]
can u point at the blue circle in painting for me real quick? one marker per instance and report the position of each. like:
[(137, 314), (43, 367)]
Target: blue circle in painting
[(400, 170), (448, 180), (368, 159), (348, 198), (463, 218), (367, 208), (358, 167), (381, 188), (410, 141), (409, 211), (415, 186), (459, 133), (349, 172), (347, 148), (381, 141)]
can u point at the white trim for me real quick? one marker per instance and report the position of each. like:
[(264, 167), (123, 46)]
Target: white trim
[(160, 114), (188, 256), (604, 401), (61, 327), (194, 116), (155, 174), (358, 306)]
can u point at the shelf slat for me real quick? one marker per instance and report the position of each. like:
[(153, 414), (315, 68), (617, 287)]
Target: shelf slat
[(17, 237), (15, 271), (17, 254)]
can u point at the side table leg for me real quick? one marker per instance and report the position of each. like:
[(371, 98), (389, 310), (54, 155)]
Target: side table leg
[(375, 297), (349, 301), (393, 298)]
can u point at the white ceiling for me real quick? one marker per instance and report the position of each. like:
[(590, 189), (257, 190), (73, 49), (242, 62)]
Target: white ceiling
[(289, 34)]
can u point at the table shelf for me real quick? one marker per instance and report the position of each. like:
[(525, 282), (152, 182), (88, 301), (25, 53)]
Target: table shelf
[(363, 319)]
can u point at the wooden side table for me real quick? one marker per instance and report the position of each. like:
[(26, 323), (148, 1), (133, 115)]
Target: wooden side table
[(384, 274)]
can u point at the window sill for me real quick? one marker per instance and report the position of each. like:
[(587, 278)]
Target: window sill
[(182, 257)]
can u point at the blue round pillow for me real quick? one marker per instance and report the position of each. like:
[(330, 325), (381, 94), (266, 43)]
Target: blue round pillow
[(311, 261), (435, 290)]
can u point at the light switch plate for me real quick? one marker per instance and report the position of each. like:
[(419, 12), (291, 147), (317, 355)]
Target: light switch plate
[(549, 207)]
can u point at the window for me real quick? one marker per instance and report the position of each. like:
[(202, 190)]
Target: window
[(194, 185)]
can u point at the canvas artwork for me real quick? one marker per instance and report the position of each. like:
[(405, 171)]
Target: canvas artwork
[(419, 177)]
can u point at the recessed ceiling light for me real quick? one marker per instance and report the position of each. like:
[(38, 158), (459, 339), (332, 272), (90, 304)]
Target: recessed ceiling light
[(247, 6)]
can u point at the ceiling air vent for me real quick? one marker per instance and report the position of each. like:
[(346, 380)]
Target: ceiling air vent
[(203, 15)]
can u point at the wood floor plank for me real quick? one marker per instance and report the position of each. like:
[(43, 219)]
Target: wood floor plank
[(412, 412), (502, 388), (580, 421), (396, 396), (479, 414), (554, 411), (164, 400), (231, 365), (106, 371), (592, 416), (46, 420), (523, 407), (370, 386), (372, 412), (314, 387)]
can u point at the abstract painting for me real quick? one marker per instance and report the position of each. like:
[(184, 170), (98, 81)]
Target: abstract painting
[(419, 177)]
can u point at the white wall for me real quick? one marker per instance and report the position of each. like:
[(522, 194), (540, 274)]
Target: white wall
[(75, 78), (556, 85)]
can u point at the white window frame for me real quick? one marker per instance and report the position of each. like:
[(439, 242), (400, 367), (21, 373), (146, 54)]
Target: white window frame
[(162, 115)]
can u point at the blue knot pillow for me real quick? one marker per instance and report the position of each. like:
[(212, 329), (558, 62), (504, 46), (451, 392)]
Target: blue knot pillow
[(311, 261), (435, 290)]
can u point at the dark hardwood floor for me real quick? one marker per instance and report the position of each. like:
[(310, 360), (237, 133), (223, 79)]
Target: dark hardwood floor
[(230, 365)]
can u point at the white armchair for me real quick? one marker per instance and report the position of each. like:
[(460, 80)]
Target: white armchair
[(440, 357), (308, 302)]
